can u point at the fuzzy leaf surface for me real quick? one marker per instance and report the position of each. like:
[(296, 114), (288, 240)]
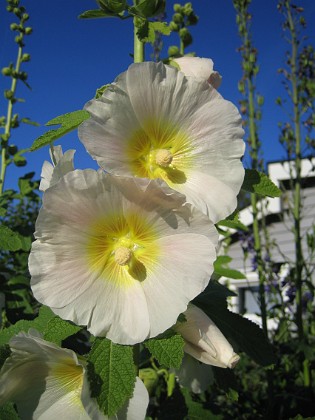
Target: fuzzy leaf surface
[(39, 323), (111, 373), (167, 348), (58, 330), (259, 183), (68, 123)]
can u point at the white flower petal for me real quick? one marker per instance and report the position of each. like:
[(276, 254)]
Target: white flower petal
[(194, 375), (201, 68), (136, 407), (178, 278)]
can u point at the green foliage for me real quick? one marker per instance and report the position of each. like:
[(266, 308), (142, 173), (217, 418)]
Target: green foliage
[(167, 348), (40, 323), (112, 374), (9, 240), (95, 14), (233, 222), (7, 412), (69, 122), (58, 330), (221, 268), (259, 183), (147, 31)]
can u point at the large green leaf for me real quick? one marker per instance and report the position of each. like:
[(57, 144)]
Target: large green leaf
[(7, 412), (111, 373), (58, 330), (259, 183), (39, 323), (167, 348), (68, 122), (233, 222)]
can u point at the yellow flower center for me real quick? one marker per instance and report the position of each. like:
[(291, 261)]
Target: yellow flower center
[(160, 150), (122, 248)]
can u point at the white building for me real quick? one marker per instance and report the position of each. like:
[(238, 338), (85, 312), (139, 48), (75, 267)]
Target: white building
[(279, 223)]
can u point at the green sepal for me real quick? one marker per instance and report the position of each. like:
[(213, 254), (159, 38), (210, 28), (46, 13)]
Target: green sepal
[(259, 183), (99, 92), (68, 122), (58, 330), (111, 373), (221, 268), (39, 323), (167, 348)]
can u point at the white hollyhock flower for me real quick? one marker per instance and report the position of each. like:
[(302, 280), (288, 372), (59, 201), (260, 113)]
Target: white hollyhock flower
[(201, 68), (51, 173), (155, 123), (121, 260), (48, 382), (204, 341)]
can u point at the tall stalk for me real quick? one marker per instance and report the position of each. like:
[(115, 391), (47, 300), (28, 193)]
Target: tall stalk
[(250, 108)]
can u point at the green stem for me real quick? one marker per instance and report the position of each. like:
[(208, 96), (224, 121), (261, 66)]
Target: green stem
[(181, 47), (138, 56), (7, 130)]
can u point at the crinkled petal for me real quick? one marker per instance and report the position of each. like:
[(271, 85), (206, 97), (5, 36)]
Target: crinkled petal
[(201, 68)]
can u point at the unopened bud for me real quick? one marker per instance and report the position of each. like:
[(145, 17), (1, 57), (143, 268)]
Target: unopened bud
[(6, 71), (178, 18), (26, 57), (28, 30), (177, 8), (173, 51)]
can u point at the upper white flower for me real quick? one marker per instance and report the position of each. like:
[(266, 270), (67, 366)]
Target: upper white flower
[(121, 260), (204, 341), (155, 123), (201, 68), (48, 382)]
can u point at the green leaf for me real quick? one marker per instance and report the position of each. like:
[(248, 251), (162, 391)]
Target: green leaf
[(167, 348), (111, 373), (259, 183), (233, 222), (213, 292), (248, 336), (95, 14), (147, 30), (58, 330), (68, 122), (39, 323), (196, 411), (221, 269), (9, 240), (7, 412)]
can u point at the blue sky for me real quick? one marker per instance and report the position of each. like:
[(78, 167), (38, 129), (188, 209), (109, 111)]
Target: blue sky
[(71, 58)]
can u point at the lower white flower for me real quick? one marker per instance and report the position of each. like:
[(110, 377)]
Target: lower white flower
[(200, 68), (204, 341), (48, 382), (121, 260)]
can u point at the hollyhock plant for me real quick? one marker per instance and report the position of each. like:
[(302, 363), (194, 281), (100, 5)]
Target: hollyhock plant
[(158, 124), (200, 68), (49, 382), (204, 341), (122, 260)]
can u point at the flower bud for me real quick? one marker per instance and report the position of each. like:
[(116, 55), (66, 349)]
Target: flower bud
[(200, 68), (174, 27), (26, 57), (149, 8), (178, 18), (177, 8), (204, 341), (173, 51), (6, 71), (28, 30)]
